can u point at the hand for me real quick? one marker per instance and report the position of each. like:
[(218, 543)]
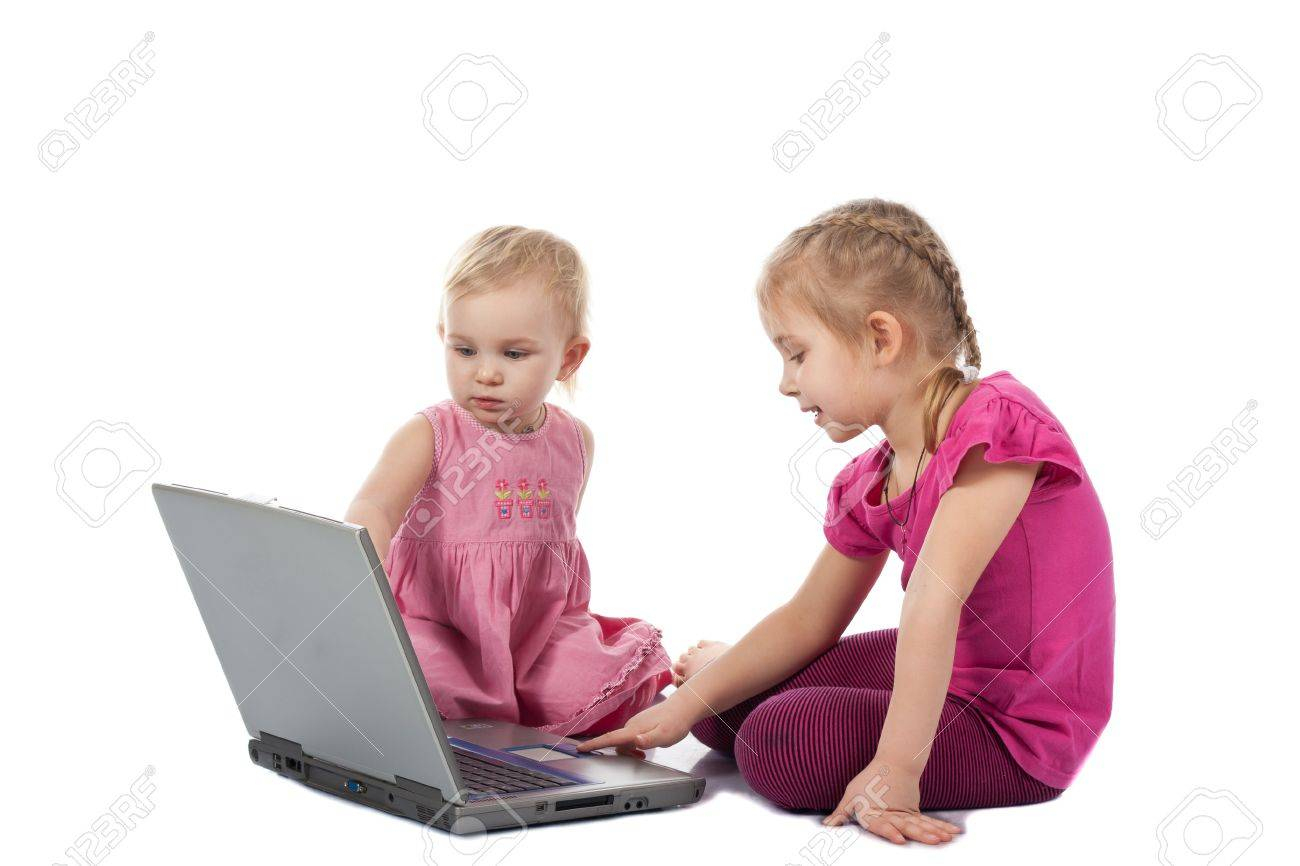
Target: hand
[(886, 801), (663, 724)]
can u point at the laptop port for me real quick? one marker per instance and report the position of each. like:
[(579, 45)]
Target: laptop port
[(583, 802)]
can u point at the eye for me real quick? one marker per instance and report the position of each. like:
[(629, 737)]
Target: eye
[(515, 354), (797, 358), (465, 351)]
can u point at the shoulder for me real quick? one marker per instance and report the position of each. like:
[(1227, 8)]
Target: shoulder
[(588, 440), (412, 445), (1005, 421), (1000, 397), (420, 433), (421, 424)]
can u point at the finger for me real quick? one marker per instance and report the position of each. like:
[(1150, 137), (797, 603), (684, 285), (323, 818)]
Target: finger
[(882, 828), (937, 826), (622, 735), (843, 810), (648, 738), (915, 829), (836, 817), (868, 819)]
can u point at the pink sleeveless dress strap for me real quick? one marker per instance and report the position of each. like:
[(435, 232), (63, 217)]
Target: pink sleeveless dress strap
[(493, 585)]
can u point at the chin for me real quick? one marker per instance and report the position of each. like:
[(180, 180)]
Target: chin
[(837, 432)]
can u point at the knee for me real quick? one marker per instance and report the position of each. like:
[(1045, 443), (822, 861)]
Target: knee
[(712, 733), (771, 754)]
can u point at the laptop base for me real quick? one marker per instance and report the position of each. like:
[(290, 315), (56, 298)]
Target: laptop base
[(410, 799)]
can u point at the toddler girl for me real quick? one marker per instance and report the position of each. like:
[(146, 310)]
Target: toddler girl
[(997, 681), (472, 507)]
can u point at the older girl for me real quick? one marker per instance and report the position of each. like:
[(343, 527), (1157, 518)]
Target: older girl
[(997, 681)]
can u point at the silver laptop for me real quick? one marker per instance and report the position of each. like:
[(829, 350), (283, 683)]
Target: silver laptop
[(299, 610)]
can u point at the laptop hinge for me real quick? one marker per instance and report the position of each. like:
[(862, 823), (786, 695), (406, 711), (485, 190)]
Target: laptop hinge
[(258, 498), (431, 794)]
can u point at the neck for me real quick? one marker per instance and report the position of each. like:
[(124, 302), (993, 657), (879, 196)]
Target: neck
[(904, 426), (519, 424)]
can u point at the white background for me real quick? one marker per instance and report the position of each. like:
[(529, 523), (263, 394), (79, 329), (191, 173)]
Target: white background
[(242, 265)]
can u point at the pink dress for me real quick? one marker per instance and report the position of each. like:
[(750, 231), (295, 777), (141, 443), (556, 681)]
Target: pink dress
[(493, 586), (1036, 641)]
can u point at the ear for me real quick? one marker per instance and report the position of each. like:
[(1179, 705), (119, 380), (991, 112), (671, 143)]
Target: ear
[(884, 337), (573, 356)]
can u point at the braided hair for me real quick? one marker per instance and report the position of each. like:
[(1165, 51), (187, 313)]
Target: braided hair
[(872, 254)]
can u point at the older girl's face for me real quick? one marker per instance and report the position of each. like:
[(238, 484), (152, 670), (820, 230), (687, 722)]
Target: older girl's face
[(827, 378)]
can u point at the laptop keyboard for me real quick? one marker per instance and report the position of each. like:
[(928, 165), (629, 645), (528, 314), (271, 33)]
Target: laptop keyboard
[(483, 775)]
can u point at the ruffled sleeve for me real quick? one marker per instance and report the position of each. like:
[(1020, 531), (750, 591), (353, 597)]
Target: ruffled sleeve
[(1014, 432), (845, 524)]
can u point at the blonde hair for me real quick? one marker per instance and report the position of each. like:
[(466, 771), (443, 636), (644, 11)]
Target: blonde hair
[(872, 254), (496, 256)]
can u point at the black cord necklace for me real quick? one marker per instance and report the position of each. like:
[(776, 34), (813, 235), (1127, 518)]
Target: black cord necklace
[(889, 473), (531, 427)]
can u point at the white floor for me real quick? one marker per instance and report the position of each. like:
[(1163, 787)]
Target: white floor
[(730, 822)]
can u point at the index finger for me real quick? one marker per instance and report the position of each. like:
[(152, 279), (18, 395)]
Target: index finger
[(621, 737)]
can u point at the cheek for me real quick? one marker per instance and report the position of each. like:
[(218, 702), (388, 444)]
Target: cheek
[(815, 376)]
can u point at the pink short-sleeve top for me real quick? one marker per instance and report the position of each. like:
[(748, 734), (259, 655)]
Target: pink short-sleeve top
[(1035, 643)]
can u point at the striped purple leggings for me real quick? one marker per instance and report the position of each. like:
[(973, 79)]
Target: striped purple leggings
[(802, 741)]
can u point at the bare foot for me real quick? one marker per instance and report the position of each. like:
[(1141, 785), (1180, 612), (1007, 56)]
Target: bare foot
[(696, 659)]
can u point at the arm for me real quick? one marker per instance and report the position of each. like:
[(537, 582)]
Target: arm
[(780, 645), (970, 523), (787, 639), (386, 493)]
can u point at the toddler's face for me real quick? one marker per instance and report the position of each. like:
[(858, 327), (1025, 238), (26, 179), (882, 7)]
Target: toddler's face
[(504, 350), (824, 376)]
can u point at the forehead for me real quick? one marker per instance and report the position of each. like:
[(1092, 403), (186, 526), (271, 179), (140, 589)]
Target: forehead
[(518, 308), (789, 324)]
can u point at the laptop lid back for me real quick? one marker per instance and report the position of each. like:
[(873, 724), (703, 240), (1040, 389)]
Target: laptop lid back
[(300, 613)]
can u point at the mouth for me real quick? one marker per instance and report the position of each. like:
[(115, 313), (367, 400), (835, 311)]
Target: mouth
[(817, 412), (486, 402)]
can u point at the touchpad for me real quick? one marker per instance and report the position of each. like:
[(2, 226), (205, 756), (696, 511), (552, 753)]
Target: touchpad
[(542, 754), (557, 752)]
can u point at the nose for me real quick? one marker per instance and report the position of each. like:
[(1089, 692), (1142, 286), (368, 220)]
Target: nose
[(487, 375), (786, 385)]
